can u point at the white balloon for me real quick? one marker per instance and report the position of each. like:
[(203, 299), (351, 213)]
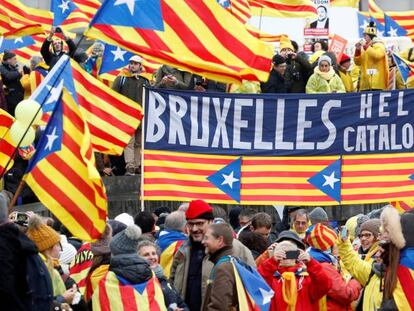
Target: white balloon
[(17, 132), (26, 111)]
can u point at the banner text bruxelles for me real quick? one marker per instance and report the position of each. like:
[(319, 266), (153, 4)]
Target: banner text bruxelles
[(279, 124)]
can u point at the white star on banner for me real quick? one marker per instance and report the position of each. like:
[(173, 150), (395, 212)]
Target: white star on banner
[(229, 179), (129, 3), (330, 180), (51, 139), (118, 54)]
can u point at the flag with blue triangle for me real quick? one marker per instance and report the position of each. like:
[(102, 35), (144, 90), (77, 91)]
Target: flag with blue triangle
[(15, 44), (392, 28), (113, 58), (363, 22), (227, 179), (381, 32), (406, 70), (329, 180), (224, 3), (61, 10), (145, 14)]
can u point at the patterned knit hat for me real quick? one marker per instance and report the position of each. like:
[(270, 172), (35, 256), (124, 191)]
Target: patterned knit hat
[(126, 242), (320, 237), (42, 235), (371, 29)]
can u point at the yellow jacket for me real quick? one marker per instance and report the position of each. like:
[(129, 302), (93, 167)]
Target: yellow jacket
[(361, 271), (347, 81), (375, 58)]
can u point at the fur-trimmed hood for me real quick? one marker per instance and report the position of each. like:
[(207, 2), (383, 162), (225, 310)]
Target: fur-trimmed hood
[(391, 222)]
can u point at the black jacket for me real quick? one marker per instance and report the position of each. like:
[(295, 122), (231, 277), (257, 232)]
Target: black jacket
[(51, 58), (275, 84), (297, 73)]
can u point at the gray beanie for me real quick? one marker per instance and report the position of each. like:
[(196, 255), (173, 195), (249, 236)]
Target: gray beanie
[(360, 220), (318, 215), (126, 241), (325, 58)]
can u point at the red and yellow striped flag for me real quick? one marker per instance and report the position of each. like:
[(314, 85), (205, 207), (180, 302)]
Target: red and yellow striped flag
[(88, 7), (112, 118), (404, 18), (403, 206), (277, 180), (198, 36), (240, 9), (115, 294), (405, 288), (283, 8), (63, 175), (81, 265), (6, 145), (348, 3)]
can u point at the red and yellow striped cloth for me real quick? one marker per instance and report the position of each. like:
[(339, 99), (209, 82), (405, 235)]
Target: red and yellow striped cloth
[(403, 294), (167, 256), (240, 9), (6, 145), (404, 18), (88, 7), (112, 118), (66, 181), (113, 294), (278, 180), (81, 265), (348, 3), (283, 8), (199, 37), (321, 237)]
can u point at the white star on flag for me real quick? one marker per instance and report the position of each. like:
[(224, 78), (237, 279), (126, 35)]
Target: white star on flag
[(64, 6), (330, 180), (404, 65), (380, 33), (51, 139), (20, 40), (229, 179), (54, 93), (118, 54), (267, 295), (393, 32), (129, 3), (364, 25)]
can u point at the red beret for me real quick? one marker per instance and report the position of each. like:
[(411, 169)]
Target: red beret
[(344, 58), (199, 209)]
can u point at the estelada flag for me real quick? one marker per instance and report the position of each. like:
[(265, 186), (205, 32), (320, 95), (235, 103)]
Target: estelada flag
[(81, 265), (116, 294), (7, 147)]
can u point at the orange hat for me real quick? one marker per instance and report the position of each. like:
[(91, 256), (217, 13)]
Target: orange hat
[(41, 234), (320, 237), (199, 209)]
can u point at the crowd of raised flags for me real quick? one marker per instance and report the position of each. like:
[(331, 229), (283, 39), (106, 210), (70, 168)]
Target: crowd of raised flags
[(87, 114)]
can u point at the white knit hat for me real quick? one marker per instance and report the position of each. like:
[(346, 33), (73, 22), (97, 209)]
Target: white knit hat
[(68, 252)]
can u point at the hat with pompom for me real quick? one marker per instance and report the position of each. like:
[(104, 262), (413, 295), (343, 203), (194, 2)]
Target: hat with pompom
[(41, 234), (126, 241)]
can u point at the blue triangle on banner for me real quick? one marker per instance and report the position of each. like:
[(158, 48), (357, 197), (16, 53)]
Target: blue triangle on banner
[(227, 179), (329, 180)]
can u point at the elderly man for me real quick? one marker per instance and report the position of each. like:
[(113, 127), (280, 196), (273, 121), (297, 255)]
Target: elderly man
[(191, 268)]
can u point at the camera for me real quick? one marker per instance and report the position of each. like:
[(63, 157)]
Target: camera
[(58, 30), (20, 218)]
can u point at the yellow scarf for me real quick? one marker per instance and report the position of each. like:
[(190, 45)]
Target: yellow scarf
[(325, 75), (289, 290)]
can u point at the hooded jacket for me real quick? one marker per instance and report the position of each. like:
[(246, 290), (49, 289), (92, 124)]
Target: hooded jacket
[(317, 84)]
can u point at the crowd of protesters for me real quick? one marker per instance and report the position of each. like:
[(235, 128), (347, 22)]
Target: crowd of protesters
[(308, 262)]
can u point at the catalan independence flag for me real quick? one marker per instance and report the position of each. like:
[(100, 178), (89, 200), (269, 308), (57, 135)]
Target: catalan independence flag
[(116, 294), (405, 287), (6, 145), (197, 36), (63, 175), (81, 265), (169, 243), (253, 293), (283, 8)]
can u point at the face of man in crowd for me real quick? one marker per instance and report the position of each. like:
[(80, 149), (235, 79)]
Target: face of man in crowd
[(197, 228), (244, 221), (57, 45), (150, 255), (300, 223), (211, 243), (317, 47), (322, 14), (135, 67), (285, 52), (12, 61), (263, 231), (280, 68), (367, 239)]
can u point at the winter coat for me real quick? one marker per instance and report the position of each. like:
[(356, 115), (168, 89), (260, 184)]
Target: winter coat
[(131, 267), (3, 102), (171, 297), (51, 58), (341, 294), (184, 78), (373, 57), (275, 84), (221, 292), (14, 89), (129, 85), (317, 84), (347, 81), (180, 266), (312, 285), (362, 271), (297, 73)]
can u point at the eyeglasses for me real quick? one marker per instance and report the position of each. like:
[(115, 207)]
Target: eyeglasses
[(198, 224), (365, 235)]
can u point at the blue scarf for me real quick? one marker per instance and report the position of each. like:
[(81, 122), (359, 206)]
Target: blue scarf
[(321, 256), (167, 237), (407, 257)]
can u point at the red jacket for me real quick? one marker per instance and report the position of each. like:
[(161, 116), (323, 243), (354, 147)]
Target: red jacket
[(341, 293), (313, 286)]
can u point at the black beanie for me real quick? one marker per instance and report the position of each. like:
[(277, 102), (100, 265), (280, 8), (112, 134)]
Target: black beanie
[(7, 55)]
